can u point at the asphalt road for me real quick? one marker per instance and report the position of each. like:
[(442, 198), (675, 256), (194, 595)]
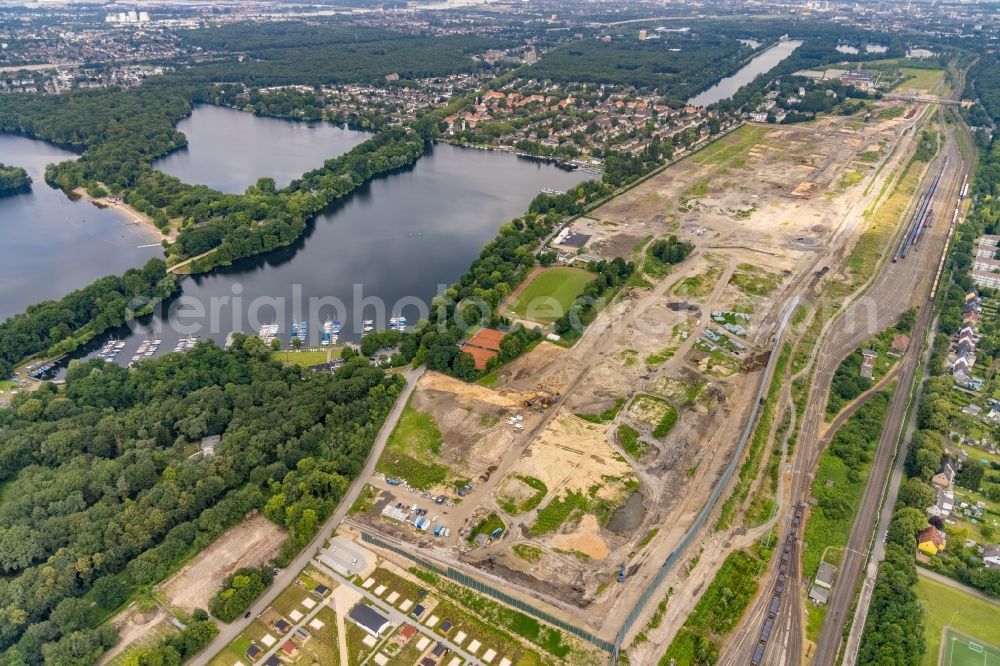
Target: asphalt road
[(228, 632)]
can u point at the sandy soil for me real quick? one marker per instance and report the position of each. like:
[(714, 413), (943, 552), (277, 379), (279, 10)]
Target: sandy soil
[(466, 393), (137, 628), (747, 207), (571, 454), (586, 539), (249, 544), (134, 216)]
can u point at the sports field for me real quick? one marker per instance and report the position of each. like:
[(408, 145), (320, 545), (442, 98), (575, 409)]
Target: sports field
[(549, 294), (962, 650), (948, 608)]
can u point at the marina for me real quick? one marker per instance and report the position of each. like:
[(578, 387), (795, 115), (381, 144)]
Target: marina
[(416, 218)]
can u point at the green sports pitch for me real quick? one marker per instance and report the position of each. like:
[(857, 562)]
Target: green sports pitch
[(962, 650)]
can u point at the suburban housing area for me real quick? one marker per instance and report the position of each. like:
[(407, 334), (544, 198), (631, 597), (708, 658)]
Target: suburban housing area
[(500, 333)]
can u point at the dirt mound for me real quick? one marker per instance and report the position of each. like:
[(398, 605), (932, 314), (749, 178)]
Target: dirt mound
[(471, 392), (586, 539)]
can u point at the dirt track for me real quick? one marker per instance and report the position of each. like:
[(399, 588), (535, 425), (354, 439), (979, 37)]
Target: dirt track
[(249, 544)]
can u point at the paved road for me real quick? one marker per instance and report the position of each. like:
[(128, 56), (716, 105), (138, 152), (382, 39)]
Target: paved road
[(397, 617), (228, 632)]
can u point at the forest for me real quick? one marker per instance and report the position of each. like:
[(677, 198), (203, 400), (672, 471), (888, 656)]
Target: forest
[(13, 180), (650, 64), (103, 498), (62, 326), (294, 53)]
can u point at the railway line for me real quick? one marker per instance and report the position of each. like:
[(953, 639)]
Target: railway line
[(909, 280)]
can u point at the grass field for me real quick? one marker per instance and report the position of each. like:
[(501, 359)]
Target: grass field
[(550, 294), (306, 357), (947, 607), (412, 447), (924, 79), (732, 147), (962, 650)]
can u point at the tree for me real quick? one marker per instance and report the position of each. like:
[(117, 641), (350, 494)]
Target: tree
[(970, 475), (916, 494), (905, 525)]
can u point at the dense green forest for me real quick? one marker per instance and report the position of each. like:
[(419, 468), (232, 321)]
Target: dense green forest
[(13, 179), (649, 64), (64, 325), (121, 133), (102, 498), (294, 53)]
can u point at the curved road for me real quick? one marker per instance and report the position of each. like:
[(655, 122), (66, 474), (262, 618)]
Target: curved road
[(230, 631)]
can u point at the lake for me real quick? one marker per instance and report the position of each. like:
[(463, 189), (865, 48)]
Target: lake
[(51, 245), (385, 250), (759, 64), (229, 149)]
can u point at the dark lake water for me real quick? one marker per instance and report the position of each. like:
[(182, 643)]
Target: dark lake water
[(51, 245), (386, 250), (759, 64), (229, 150)]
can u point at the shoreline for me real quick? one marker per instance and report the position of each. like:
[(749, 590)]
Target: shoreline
[(133, 215)]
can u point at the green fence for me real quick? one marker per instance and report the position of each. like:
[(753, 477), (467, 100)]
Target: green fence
[(488, 590)]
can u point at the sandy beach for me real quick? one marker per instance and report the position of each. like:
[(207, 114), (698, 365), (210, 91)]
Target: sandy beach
[(132, 214)]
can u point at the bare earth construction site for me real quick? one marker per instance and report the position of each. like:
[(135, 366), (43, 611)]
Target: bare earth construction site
[(574, 472)]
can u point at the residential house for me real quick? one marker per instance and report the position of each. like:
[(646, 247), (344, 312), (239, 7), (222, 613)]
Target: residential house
[(939, 480), (972, 410), (991, 557), (868, 364), (931, 541), (369, 619), (900, 343)]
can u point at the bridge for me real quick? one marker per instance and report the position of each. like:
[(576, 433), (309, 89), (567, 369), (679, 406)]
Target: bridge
[(925, 99)]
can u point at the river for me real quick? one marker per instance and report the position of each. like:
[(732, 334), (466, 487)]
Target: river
[(759, 64), (385, 250), (51, 245)]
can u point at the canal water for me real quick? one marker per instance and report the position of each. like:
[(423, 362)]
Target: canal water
[(229, 150), (385, 250), (759, 64), (51, 245)]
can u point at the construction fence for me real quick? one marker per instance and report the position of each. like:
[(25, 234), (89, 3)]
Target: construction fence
[(490, 591)]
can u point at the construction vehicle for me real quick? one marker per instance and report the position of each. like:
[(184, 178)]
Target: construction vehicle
[(542, 401)]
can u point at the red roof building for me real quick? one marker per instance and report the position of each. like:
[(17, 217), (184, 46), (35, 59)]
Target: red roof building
[(483, 346)]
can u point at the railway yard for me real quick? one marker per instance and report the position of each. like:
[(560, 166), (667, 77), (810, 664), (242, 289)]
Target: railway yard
[(573, 473)]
